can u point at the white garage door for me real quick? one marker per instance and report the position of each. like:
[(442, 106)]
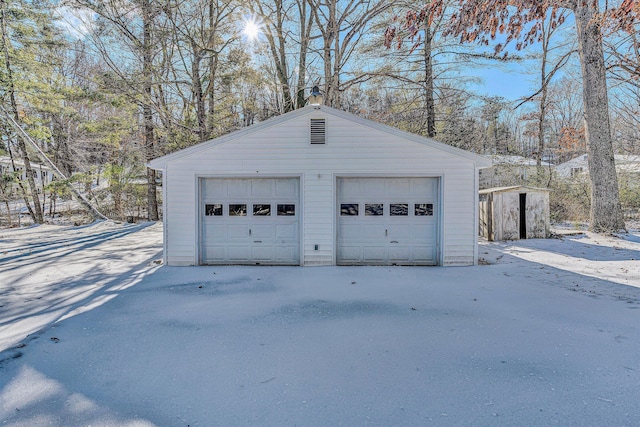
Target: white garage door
[(250, 221), (388, 221)]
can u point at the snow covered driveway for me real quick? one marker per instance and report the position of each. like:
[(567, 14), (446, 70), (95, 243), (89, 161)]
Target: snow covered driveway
[(47, 272), (547, 333)]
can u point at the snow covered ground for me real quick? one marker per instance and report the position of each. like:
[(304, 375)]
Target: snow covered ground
[(93, 331)]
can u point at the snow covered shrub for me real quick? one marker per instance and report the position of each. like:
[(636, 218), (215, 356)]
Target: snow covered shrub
[(629, 184), (570, 199)]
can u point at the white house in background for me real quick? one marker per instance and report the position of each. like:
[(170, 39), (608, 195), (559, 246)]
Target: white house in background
[(625, 163), (42, 174), (318, 186), (574, 167), (508, 170)]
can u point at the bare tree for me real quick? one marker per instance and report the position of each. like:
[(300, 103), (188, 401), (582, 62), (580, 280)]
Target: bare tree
[(549, 66), (287, 25), (342, 26), (199, 31), (480, 21), (565, 119), (420, 28)]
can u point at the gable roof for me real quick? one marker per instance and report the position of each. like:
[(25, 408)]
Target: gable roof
[(624, 163), (160, 162), (513, 160), (513, 188)]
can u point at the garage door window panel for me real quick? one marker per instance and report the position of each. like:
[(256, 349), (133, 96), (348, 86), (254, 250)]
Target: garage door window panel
[(286, 210), (373, 209), (214, 209), (261, 210), (238, 209), (399, 209), (349, 209), (423, 209)]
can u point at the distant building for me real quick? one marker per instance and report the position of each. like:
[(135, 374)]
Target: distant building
[(625, 163), (42, 174), (508, 170)]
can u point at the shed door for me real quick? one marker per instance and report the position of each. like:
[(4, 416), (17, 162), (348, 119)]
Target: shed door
[(250, 221), (387, 221)]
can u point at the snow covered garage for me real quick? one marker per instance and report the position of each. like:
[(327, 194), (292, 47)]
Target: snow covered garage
[(318, 186)]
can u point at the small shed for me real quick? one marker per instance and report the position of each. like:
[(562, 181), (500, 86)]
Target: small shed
[(512, 213), (319, 186)]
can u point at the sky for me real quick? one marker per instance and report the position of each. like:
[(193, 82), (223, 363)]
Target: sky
[(506, 83), (512, 81), (76, 22)]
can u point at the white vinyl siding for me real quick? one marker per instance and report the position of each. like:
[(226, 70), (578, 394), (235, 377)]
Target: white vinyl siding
[(355, 150)]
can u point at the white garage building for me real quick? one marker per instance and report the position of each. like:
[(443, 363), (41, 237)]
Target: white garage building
[(319, 186)]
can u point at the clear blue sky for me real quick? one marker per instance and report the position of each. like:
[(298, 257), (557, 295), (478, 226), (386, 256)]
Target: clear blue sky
[(511, 85)]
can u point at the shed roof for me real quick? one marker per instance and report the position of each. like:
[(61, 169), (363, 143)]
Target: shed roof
[(160, 162), (516, 188)]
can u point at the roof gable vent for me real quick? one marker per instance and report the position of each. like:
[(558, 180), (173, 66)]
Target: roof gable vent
[(318, 131)]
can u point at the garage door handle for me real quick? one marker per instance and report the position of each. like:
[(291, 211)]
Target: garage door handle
[(249, 232), (394, 241), (386, 233), (257, 241)]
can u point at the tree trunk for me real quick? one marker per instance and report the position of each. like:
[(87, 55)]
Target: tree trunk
[(606, 213), (211, 93), (428, 82), (281, 63), (329, 34), (28, 170), (541, 121), (5, 199), (543, 102), (305, 32), (213, 67), (198, 94), (23, 191), (337, 64), (149, 144), (302, 76)]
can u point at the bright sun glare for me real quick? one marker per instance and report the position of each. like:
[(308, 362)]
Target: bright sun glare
[(251, 29)]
